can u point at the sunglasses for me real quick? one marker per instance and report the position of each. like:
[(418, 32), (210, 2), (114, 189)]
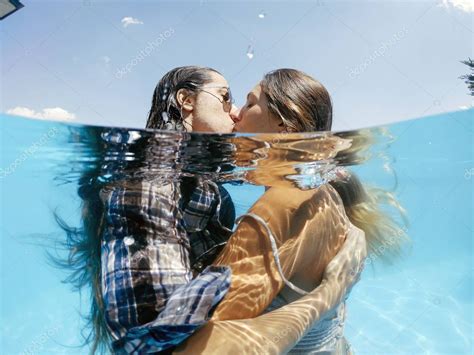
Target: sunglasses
[(227, 100)]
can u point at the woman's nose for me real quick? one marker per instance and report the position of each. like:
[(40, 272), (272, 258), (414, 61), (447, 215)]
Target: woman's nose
[(235, 113)]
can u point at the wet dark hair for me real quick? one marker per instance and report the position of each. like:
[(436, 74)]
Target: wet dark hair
[(302, 102), (165, 112), (83, 245)]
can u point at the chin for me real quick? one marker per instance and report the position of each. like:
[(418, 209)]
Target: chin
[(226, 130)]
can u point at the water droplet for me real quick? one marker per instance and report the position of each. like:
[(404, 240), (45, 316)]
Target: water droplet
[(262, 15), (250, 52)]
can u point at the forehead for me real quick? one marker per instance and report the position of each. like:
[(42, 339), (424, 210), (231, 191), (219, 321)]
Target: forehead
[(218, 80), (257, 92)]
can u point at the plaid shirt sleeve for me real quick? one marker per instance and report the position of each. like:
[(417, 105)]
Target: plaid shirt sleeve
[(151, 300)]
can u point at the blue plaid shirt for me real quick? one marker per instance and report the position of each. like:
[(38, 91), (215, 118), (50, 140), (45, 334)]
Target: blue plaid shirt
[(151, 238)]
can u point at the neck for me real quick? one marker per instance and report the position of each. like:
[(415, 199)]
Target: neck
[(188, 121)]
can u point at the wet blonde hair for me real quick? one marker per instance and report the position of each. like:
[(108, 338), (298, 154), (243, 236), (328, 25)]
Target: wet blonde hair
[(299, 100), (305, 105), (363, 202)]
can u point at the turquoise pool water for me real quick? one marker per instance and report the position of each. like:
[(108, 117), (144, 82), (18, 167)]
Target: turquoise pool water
[(422, 304)]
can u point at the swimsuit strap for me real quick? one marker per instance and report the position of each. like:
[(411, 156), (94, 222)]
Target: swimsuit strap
[(274, 249)]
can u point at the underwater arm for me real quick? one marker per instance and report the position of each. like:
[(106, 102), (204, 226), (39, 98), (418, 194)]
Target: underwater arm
[(272, 333), (278, 331)]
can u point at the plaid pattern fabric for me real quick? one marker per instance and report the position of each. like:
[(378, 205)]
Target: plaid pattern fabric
[(208, 236), (152, 302)]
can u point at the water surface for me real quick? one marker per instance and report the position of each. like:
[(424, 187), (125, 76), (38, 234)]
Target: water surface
[(423, 303)]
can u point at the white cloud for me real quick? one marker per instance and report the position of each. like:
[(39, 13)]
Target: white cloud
[(53, 113), (464, 5), (466, 107), (127, 21), (105, 59)]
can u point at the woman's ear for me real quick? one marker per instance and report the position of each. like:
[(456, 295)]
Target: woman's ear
[(185, 99)]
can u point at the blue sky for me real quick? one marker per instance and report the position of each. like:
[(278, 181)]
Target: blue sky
[(97, 62)]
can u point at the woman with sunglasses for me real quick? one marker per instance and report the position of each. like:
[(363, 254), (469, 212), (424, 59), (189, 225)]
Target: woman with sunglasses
[(192, 99)]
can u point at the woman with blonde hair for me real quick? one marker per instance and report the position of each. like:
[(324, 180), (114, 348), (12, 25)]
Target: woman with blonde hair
[(286, 241)]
